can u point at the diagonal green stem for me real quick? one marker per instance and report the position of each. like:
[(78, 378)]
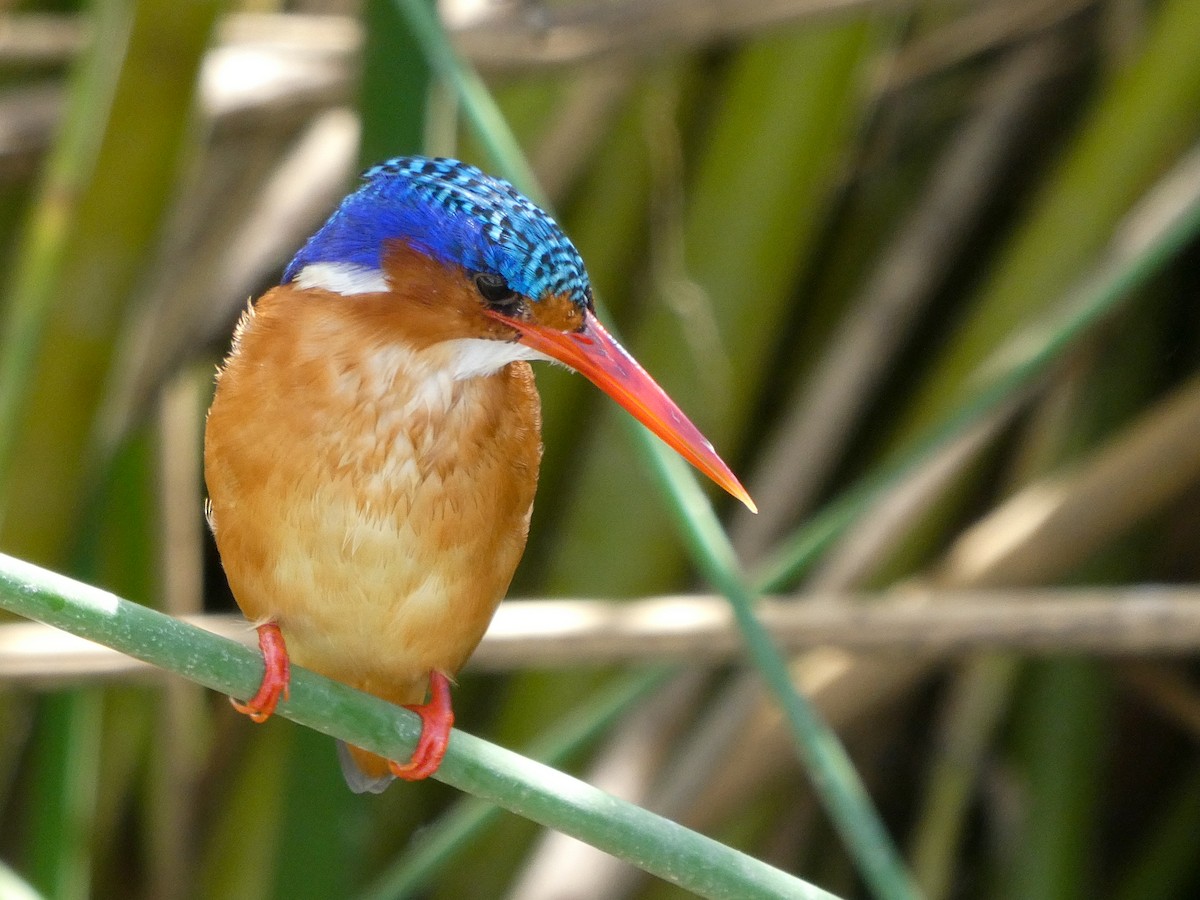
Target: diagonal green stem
[(480, 108), (528, 788), (833, 775)]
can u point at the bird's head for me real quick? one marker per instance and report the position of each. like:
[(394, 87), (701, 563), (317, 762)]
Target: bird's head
[(478, 263)]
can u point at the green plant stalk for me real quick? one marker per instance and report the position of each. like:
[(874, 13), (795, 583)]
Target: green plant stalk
[(833, 775), (321, 838), (528, 788), (437, 845), (65, 794), (477, 103), (231, 865), (395, 85), (1141, 248), (1062, 729), (981, 695)]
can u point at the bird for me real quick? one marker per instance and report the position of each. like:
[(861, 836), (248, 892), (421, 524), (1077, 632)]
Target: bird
[(373, 444)]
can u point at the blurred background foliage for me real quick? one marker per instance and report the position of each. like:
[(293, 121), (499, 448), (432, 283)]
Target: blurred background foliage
[(823, 226)]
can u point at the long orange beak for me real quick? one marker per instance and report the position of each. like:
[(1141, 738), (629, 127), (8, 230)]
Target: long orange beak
[(593, 353)]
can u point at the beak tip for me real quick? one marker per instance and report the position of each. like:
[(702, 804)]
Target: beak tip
[(743, 496)]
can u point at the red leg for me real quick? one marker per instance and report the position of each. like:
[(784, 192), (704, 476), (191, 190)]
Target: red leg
[(276, 675), (437, 718)]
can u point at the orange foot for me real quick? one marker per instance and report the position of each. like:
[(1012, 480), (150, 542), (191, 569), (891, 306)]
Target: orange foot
[(275, 677), (437, 718)]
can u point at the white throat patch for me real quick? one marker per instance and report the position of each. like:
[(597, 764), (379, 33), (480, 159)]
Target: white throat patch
[(474, 357), (342, 278)]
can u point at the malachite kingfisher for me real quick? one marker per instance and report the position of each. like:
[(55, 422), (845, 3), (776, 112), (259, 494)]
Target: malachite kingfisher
[(373, 445)]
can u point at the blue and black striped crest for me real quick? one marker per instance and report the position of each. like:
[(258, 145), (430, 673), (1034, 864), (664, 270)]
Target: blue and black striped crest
[(455, 213)]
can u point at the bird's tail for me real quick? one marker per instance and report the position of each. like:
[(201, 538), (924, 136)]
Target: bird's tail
[(365, 772)]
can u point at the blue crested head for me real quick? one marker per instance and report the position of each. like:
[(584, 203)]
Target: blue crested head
[(456, 214)]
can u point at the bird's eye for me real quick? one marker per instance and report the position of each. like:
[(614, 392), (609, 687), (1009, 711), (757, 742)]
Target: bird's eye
[(495, 290)]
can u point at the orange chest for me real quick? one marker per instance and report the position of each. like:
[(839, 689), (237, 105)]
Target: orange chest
[(362, 495)]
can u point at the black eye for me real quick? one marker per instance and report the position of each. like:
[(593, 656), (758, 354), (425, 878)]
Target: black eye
[(495, 290)]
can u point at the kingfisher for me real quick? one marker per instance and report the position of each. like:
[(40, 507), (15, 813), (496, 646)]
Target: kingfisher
[(372, 449)]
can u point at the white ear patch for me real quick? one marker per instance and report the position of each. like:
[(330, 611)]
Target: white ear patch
[(342, 278), (473, 357)]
